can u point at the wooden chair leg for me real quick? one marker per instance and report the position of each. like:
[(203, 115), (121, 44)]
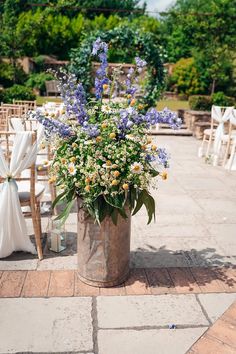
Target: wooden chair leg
[(226, 153), (36, 231), (209, 145)]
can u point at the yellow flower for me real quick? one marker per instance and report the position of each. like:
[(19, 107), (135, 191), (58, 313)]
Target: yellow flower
[(98, 139), (104, 125), (114, 182), (132, 103), (164, 175), (125, 186), (154, 147), (149, 140), (105, 87), (40, 168), (112, 135), (73, 159), (87, 188), (87, 180), (46, 163), (74, 145), (108, 163), (116, 173), (63, 160), (140, 107), (42, 146), (52, 179), (129, 96)]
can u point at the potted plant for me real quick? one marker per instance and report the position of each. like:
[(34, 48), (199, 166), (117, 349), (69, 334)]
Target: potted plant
[(104, 159)]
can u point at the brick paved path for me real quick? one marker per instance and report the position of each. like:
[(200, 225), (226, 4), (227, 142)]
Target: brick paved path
[(141, 282)]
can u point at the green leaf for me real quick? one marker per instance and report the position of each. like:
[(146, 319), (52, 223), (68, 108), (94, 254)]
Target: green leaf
[(149, 203), (58, 199), (117, 201), (64, 215), (139, 203), (154, 173), (114, 216)]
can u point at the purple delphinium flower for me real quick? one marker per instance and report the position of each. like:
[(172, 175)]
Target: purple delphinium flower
[(74, 99), (91, 130), (162, 157), (166, 116), (140, 63), (53, 126), (99, 45), (100, 48)]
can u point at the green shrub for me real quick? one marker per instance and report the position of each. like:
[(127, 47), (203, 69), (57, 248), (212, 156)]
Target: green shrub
[(18, 92), (10, 74), (185, 78), (37, 81), (220, 99), (200, 103)]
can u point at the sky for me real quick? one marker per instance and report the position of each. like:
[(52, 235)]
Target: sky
[(158, 5)]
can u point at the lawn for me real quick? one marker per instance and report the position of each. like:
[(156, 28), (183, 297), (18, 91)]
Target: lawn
[(173, 105)]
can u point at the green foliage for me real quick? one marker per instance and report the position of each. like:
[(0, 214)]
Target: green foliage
[(18, 92), (185, 78), (220, 99), (200, 103), (204, 103), (10, 74), (37, 81), (129, 42), (205, 30)]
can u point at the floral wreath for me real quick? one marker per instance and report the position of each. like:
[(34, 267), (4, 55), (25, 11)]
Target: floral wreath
[(142, 43)]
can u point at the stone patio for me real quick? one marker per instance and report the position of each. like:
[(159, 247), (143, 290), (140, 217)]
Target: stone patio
[(183, 273)]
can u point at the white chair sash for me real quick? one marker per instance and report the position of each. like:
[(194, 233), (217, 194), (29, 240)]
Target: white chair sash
[(217, 115), (13, 231), (231, 163), (17, 124)]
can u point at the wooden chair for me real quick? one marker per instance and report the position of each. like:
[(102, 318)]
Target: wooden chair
[(32, 105), (51, 87), (209, 134), (42, 169), (15, 110), (4, 118), (29, 191)]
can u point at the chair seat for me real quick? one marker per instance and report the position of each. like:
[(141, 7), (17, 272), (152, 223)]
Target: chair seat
[(209, 131), (24, 191)]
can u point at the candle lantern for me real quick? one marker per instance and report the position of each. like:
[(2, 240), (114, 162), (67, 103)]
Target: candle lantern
[(56, 236)]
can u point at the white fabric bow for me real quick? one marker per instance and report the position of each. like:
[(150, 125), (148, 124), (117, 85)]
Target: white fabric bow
[(13, 231), (217, 115)]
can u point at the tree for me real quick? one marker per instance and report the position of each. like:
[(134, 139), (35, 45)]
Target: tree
[(204, 29)]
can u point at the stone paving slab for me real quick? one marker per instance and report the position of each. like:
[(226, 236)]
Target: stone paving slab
[(161, 341), (220, 338), (45, 325), (136, 311), (216, 304)]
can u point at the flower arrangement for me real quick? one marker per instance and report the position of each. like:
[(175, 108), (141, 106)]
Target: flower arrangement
[(102, 152)]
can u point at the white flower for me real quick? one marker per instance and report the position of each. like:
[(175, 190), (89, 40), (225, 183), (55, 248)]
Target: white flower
[(136, 168), (106, 109), (71, 169)]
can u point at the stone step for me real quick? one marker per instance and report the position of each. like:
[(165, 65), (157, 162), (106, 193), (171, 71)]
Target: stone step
[(180, 132), (166, 126)]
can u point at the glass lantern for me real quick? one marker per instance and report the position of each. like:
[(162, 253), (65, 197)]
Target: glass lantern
[(56, 236)]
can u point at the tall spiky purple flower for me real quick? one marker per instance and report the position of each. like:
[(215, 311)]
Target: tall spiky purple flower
[(100, 48)]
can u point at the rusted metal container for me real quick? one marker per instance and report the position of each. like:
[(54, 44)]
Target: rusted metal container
[(103, 251)]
